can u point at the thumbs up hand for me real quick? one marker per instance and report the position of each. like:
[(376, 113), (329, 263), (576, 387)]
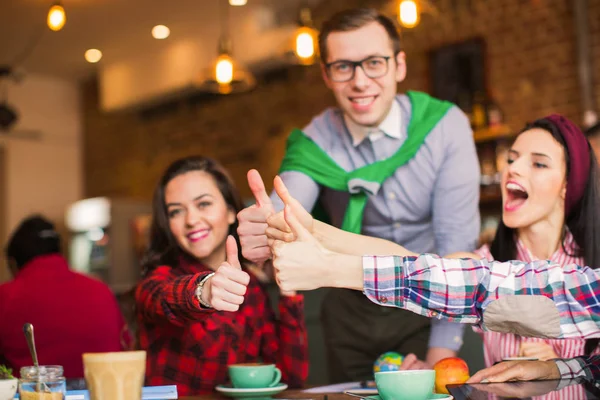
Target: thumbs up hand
[(278, 229), (252, 222), (225, 290), (300, 264)]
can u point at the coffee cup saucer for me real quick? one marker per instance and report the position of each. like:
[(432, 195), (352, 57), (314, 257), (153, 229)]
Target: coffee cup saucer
[(435, 396), (230, 391)]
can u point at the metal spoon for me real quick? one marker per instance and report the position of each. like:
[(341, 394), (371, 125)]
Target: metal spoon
[(28, 330)]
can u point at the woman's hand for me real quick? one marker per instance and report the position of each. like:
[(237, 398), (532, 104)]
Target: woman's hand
[(278, 229), (301, 264), (517, 371), (225, 290), (540, 350)]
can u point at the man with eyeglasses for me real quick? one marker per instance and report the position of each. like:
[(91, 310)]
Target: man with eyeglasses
[(399, 167)]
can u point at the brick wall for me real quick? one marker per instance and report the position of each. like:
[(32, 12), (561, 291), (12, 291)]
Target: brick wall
[(531, 71)]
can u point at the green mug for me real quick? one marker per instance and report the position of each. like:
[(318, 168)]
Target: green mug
[(253, 376), (405, 385)]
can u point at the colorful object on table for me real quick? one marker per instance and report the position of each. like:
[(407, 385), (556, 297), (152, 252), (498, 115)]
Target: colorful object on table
[(390, 361), (229, 391), (451, 370)]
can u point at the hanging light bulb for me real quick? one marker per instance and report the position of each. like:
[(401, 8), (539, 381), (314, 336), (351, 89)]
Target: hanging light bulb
[(408, 13), (305, 39), (305, 44), (93, 55), (224, 69), (226, 75), (56, 17)]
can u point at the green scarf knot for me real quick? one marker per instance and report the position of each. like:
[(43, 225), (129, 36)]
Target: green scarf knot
[(304, 155)]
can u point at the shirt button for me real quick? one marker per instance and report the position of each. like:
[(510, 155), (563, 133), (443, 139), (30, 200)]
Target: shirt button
[(397, 225), (391, 196), (457, 339), (383, 300)]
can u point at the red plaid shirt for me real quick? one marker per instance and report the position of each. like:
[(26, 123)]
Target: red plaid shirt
[(190, 347)]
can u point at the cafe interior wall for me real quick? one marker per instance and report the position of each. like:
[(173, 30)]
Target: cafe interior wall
[(41, 175), (530, 66), (531, 71)]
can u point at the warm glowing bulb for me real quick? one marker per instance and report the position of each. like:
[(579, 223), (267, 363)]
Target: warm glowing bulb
[(409, 13), (305, 45), (160, 32), (224, 69), (56, 17), (237, 2), (93, 55)]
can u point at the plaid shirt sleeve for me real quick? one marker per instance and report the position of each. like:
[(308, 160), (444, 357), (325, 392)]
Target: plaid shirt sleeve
[(285, 341), (580, 367), (459, 290), (160, 297)]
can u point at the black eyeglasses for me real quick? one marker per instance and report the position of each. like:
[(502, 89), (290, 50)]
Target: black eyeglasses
[(344, 70)]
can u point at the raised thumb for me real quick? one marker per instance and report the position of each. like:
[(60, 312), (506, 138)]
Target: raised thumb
[(232, 252), (298, 230), (287, 198), (257, 187)]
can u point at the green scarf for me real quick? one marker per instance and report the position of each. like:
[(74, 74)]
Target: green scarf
[(304, 155)]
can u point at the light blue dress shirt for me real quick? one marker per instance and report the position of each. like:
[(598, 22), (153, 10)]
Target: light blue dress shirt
[(430, 204)]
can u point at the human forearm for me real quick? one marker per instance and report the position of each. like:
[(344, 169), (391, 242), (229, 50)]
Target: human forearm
[(435, 354), (460, 290), (174, 300), (308, 266), (446, 335), (343, 242)]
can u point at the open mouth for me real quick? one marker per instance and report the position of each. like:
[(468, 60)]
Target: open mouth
[(363, 101), (516, 196)]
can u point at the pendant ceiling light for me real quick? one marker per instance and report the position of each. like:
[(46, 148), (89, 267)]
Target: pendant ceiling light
[(305, 39), (225, 75), (56, 17), (411, 11)]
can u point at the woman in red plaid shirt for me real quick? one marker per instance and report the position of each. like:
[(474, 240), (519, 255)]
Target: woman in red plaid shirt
[(199, 309)]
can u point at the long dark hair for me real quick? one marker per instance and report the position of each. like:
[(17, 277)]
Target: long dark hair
[(583, 221), (163, 248)]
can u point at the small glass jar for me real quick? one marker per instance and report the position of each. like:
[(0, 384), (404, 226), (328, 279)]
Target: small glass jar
[(47, 383)]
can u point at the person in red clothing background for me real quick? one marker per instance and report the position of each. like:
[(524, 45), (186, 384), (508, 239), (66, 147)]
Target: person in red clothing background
[(71, 313), (199, 309)]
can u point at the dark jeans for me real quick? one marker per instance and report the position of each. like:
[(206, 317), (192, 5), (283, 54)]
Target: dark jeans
[(357, 331)]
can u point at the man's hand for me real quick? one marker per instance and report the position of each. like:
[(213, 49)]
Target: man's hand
[(253, 222), (517, 371), (278, 229), (225, 290), (412, 362), (434, 354)]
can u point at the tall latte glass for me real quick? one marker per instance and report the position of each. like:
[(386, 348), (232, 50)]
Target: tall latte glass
[(115, 376)]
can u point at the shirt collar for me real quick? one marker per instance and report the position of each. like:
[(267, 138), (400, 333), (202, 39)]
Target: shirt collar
[(568, 244), (390, 126)]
